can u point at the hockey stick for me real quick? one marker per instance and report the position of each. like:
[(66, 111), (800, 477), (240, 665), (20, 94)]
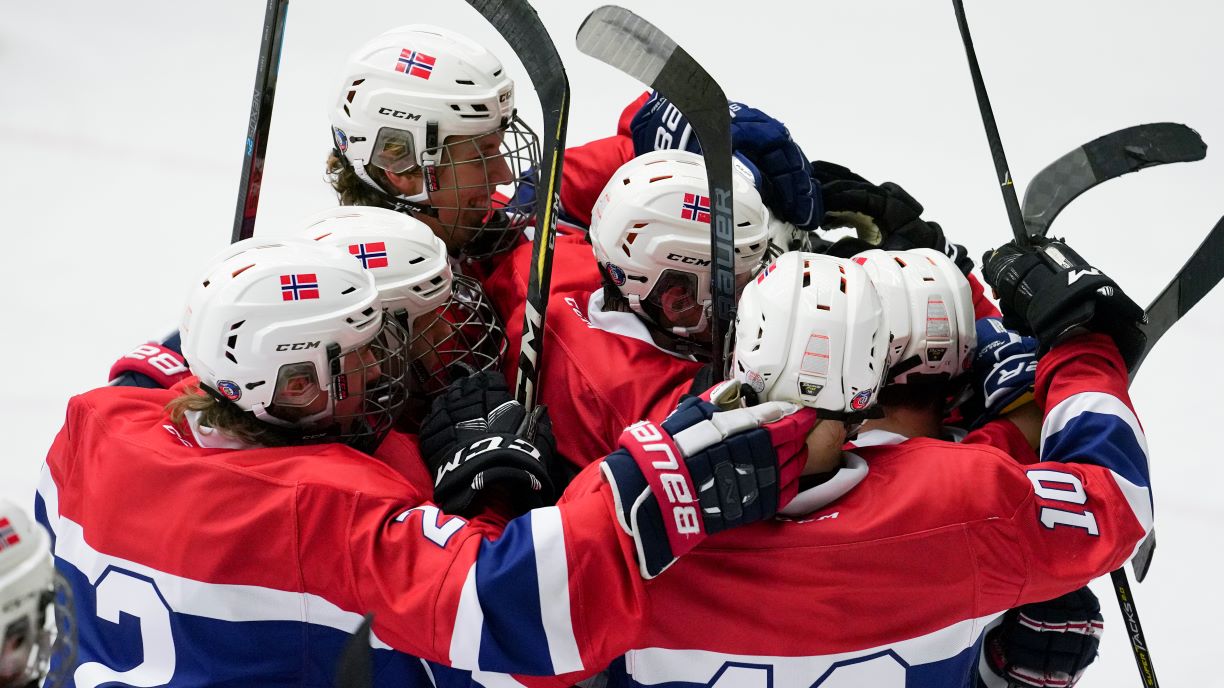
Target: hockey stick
[(1112, 155), (1006, 185), (624, 40), (521, 27), (1198, 276), (1122, 587), (261, 118)]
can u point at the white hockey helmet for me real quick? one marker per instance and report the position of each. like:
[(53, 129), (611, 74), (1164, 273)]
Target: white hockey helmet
[(929, 309), (650, 230), (26, 584), (452, 325), (810, 330), (404, 93), (270, 328)]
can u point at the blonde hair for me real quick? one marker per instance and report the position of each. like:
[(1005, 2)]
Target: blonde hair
[(227, 418)]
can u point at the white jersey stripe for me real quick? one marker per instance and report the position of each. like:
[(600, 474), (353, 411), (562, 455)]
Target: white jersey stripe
[(552, 574), (469, 622)]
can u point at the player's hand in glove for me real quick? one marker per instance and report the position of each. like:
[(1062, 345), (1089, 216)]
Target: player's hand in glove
[(1004, 369), (702, 471), (1047, 290), (153, 365), (479, 442), (884, 216), (779, 167), (1045, 644)]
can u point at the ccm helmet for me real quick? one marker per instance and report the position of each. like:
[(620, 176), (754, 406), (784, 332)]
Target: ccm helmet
[(810, 330), (294, 333), (650, 230), (421, 98)]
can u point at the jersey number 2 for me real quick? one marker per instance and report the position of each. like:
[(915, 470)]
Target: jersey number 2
[(119, 591)]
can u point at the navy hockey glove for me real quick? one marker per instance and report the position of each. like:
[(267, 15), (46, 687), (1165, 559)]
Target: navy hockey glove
[(885, 216), (477, 437), (762, 143), (702, 471), (1049, 291), (1046, 644), (151, 365), (1004, 370)]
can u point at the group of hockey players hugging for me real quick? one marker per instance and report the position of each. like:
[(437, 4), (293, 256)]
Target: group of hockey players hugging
[(915, 486)]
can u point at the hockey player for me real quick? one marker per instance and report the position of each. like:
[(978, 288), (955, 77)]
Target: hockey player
[(234, 535), (888, 566), (631, 347), (25, 594)]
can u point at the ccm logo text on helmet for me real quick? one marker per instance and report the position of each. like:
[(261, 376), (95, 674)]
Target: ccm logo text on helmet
[(675, 486), (398, 114), (297, 346), (688, 260)]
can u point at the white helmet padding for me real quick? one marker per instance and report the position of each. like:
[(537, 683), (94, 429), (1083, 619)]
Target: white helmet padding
[(810, 329), (26, 583)]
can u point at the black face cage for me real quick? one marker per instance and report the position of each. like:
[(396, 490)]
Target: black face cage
[(504, 218), (459, 338), (384, 398)]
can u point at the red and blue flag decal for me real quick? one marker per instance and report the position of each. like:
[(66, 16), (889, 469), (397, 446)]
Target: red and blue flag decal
[(413, 63), (695, 207), (371, 255), (299, 287), (8, 534)]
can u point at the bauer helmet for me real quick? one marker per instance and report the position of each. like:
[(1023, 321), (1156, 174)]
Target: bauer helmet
[(26, 584), (929, 310), (294, 333), (424, 98), (650, 230), (810, 330), (453, 329)]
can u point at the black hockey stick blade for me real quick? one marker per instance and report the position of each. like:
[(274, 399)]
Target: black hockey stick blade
[(1112, 155), (1134, 630), (1197, 277), (355, 668), (261, 118), (520, 26), (1006, 184), (624, 40)]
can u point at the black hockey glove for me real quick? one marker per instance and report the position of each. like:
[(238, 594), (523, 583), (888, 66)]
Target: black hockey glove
[(885, 216), (1049, 291), (478, 437), (1046, 643), (702, 471)]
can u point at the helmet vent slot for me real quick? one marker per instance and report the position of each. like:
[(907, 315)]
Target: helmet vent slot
[(350, 290), (239, 271), (632, 237), (497, 73), (416, 260), (237, 325), (899, 261), (660, 178), (207, 282), (232, 342), (465, 82), (231, 358), (455, 107), (745, 223), (480, 107), (843, 285)]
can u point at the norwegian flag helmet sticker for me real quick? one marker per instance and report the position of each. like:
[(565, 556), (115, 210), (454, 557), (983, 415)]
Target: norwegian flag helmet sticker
[(695, 207), (372, 254), (299, 287), (8, 534), (414, 63)]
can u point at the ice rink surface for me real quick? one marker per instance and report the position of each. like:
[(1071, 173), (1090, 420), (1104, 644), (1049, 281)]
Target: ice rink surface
[(124, 124)]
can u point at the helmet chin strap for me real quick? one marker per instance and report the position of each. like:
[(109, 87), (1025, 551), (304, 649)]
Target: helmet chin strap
[(394, 202)]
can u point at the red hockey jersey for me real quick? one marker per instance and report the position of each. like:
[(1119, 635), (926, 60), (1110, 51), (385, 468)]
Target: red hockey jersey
[(214, 566)]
